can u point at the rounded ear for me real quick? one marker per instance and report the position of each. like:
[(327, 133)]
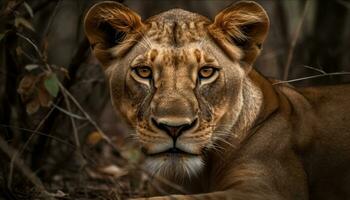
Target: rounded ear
[(244, 24), (106, 25)]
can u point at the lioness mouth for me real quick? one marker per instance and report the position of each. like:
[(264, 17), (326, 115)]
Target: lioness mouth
[(173, 152)]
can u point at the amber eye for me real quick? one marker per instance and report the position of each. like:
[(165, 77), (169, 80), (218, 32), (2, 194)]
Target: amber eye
[(143, 72), (206, 72)]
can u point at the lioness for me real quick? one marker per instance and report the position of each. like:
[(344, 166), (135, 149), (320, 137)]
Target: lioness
[(206, 120)]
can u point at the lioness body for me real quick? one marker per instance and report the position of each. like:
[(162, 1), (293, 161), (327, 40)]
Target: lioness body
[(209, 122), (303, 145), (326, 157)]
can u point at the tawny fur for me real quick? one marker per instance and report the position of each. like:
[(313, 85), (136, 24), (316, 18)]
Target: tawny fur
[(254, 139)]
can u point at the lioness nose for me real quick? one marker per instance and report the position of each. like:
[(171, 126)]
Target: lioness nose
[(174, 128)]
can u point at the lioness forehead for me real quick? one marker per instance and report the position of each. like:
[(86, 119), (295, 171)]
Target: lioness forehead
[(177, 28), (176, 36), (175, 56)]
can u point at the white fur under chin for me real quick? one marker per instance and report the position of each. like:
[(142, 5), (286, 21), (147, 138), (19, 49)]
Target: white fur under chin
[(174, 166)]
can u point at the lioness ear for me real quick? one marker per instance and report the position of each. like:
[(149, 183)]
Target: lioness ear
[(106, 25), (245, 24)]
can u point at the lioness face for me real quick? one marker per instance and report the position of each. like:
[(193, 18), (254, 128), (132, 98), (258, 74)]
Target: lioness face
[(176, 79), (174, 94)]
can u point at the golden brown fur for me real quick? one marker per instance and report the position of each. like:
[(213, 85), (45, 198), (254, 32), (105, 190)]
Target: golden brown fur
[(233, 134)]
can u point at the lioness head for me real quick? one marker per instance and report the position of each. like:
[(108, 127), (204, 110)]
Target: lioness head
[(177, 78)]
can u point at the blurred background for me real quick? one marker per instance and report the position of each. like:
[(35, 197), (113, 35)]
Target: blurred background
[(59, 136)]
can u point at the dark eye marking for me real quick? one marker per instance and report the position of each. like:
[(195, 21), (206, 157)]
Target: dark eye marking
[(153, 54), (198, 55)]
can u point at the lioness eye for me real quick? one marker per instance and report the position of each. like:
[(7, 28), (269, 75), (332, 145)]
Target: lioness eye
[(206, 72), (143, 72)]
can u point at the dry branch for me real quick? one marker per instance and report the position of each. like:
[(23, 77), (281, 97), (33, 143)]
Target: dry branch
[(312, 77), (19, 163), (17, 154), (295, 39)]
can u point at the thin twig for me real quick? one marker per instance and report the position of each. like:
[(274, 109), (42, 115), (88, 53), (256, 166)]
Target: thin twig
[(10, 152), (41, 57), (39, 133), (49, 24), (32, 43), (295, 39), (74, 126), (70, 114), (51, 19), (93, 122), (18, 153), (312, 77), (315, 69)]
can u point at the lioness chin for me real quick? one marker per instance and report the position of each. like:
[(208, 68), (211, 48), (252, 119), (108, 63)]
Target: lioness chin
[(206, 120)]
